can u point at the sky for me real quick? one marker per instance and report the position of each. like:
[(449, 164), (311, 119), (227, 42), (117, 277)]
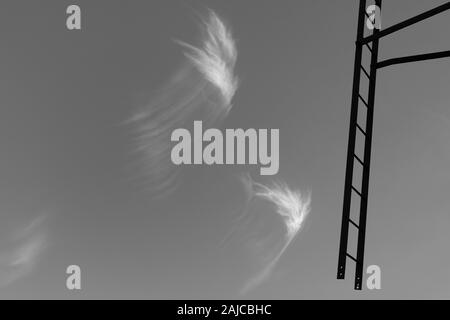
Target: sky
[(72, 190)]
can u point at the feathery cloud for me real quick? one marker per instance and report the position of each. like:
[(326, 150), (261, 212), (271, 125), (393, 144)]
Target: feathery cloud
[(292, 207), (27, 244), (202, 89)]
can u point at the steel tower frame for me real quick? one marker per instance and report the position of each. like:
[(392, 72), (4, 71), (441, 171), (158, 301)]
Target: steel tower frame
[(370, 43)]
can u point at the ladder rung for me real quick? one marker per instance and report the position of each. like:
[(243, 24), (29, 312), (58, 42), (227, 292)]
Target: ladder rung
[(364, 101), (353, 223), (357, 191), (360, 129), (351, 257), (365, 71), (359, 160)]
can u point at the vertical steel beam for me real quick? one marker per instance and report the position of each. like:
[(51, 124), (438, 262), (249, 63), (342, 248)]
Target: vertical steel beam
[(367, 156), (349, 187), (351, 142)]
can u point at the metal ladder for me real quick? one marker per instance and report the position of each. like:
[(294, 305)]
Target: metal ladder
[(358, 101), (371, 43)]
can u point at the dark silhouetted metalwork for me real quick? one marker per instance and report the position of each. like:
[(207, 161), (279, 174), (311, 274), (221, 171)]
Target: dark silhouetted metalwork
[(356, 129)]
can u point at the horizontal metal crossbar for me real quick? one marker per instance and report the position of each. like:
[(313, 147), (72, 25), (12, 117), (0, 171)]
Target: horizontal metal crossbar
[(357, 191), (365, 72), (415, 58), (364, 101), (353, 223), (360, 129), (359, 160), (351, 257), (407, 23)]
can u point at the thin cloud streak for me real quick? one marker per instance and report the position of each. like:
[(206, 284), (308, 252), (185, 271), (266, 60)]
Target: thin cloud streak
[(27, 245), (202, 89), (292, 207), (217, 58)]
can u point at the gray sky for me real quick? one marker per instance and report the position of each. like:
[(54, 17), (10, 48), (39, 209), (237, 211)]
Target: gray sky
[(67, 156)]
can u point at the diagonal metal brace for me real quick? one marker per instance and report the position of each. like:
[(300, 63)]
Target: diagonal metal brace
[(415, 58)]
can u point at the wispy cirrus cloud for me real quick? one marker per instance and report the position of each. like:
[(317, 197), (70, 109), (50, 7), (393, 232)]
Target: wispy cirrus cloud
[(292, 207), (24, 247), (217, 57), (202, 89)]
